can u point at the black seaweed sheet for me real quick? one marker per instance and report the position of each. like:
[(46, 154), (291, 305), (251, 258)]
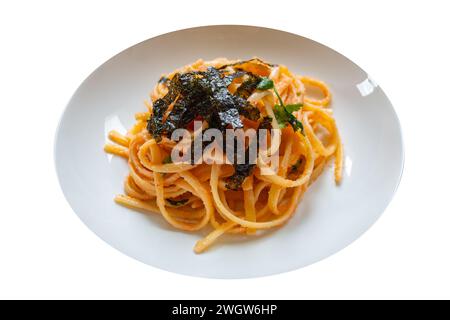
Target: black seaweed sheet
[(204, 94)]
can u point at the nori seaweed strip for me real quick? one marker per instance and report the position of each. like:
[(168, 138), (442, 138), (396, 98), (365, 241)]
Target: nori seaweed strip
[(177, 203), (206, 94), (224, 106), (155, 124), (248, 86), (241, 171), (244, 91), (266, 123), (249, 111), (163, 80), (228, 79)]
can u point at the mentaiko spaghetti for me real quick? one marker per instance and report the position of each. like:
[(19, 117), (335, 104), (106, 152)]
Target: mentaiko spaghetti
[(243, 198)]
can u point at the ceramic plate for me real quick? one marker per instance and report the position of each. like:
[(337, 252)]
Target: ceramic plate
[(327, 220)]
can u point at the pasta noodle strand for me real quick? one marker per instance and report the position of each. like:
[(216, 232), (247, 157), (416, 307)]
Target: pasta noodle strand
[(191, 196)]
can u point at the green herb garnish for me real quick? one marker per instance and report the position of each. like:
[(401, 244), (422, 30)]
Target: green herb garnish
[(283, 112), (177, 203), (285, 117), (167, 160), (280, 115), (293, 107), (265, 84)]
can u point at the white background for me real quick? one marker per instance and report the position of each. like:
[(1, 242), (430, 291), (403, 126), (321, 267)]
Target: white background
[(48, 47)]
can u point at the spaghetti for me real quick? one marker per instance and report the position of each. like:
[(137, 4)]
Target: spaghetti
[(191, 196)]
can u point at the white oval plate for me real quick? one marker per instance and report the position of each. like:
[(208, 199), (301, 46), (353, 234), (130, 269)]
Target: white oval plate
[(328, 219)]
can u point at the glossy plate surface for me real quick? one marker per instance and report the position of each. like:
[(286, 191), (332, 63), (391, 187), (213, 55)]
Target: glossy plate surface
[(328, 219)]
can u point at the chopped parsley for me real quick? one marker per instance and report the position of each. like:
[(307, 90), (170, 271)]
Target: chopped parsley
[(177, 203), (265, 84), (283, 113), (167, 160)]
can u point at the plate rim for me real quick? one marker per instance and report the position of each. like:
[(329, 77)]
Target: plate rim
[(63, 115)]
